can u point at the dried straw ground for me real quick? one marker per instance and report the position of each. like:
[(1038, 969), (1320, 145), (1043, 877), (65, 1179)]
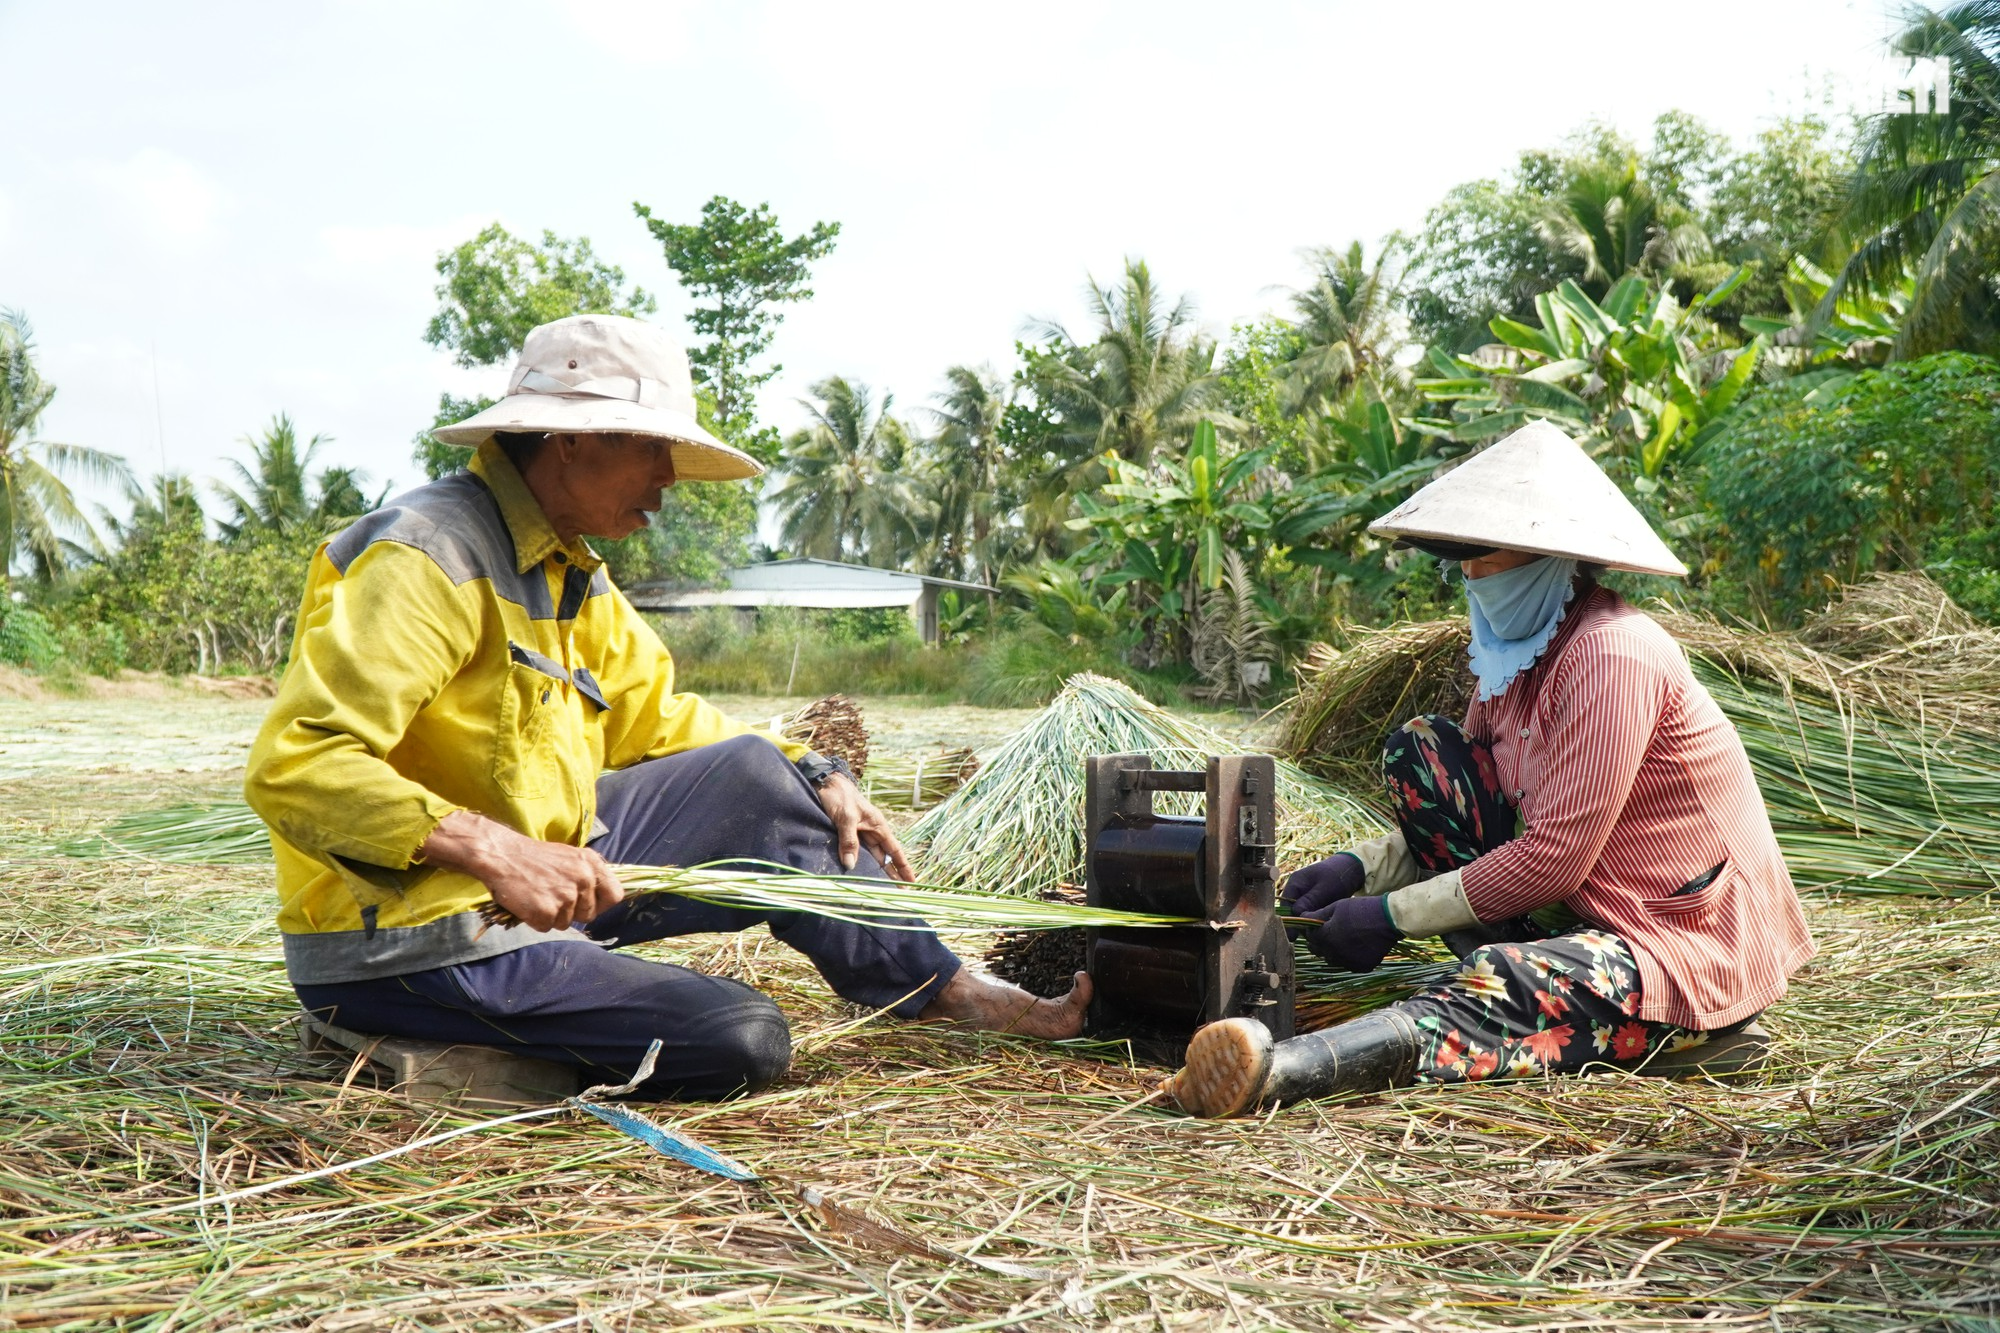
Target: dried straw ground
[(148, 1061)]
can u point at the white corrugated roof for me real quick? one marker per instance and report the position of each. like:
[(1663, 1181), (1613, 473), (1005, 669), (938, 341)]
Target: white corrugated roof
[(804, 571), (800, 582), (654, 599)]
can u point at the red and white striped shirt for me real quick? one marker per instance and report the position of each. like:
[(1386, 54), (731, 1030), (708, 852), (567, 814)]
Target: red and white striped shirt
[(1632, 784)]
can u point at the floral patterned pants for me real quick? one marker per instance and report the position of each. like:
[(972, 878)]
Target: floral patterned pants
[(1523, 1002)]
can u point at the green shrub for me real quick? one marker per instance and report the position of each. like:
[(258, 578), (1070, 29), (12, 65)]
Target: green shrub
[(714, 653), (1967, 565), (27, 639), (704, 632), (184, 602), (1812, 487), (1025, 667), (96, 647), (1011, 668), (864, 624)]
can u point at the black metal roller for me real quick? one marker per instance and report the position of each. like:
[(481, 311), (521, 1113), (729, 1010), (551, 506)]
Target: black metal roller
[(1151, 863)]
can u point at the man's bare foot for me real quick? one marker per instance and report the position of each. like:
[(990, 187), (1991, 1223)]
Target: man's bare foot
[(982, 1001)]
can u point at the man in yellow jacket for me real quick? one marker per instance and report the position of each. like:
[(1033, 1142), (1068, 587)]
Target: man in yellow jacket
[(473, 714)]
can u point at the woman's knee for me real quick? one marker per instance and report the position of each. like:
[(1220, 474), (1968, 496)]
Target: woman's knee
[(1425, 731)]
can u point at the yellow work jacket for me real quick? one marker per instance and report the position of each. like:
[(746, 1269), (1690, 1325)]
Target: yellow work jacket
[(452, 652)]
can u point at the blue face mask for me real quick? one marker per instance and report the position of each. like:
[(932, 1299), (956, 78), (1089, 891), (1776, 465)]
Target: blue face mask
[(1515, 614)]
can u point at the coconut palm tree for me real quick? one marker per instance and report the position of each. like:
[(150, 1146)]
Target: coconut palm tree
[(1925, 200), (1608, 220), (167, 503), (847, 485), (279, 493), (1145, 378), (36, 505), (966, 466), (1349, 324)]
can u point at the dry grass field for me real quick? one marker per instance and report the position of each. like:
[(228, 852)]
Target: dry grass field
[(149, 1067)]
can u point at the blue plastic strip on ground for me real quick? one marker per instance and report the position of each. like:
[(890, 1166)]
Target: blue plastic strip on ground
[(667, 1142)]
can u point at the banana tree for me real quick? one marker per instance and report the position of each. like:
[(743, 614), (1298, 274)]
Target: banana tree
[(1166, 534), (1163, 531), (1638, 378), (1859, 330)]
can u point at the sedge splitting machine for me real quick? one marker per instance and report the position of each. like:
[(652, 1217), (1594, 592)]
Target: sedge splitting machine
[(1154, 986)]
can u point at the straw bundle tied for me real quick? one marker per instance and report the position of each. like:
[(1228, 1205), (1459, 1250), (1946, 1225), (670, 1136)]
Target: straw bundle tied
[(1016, 829), (832, 726), (918, 781), (1880, 770)]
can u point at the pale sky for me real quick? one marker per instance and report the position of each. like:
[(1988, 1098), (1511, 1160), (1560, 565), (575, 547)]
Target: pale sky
[(248, 200)]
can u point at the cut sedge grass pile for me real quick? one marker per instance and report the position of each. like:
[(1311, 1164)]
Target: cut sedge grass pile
[(207, 832), (148, 1058), (1861, 801), (1016, 829), (149, 1061), (1878, 777)]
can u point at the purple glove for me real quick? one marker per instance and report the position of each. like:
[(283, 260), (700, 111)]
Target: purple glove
[(1357, 935), (1314, 888)]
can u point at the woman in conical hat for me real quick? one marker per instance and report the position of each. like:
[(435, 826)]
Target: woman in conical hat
[(1593, 783)]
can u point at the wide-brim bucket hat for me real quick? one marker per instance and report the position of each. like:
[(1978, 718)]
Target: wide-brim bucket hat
[(607, 374), (1535, 491)]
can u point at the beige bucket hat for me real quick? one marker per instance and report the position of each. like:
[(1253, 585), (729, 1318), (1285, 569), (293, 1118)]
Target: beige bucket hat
[(607, 373), (1536, 490)]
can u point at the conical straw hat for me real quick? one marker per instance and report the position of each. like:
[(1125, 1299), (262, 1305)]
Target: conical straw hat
[(607, 373), (1534, 491)]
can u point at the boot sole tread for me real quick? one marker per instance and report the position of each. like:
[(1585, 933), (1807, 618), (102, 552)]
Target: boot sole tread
[(1225, 1070)]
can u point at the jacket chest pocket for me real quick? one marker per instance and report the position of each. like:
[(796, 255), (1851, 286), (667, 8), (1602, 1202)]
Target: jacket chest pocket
[(526, 758), (1694, 902)]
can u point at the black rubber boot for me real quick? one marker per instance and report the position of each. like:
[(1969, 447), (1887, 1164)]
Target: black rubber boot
[(1234, 1066)]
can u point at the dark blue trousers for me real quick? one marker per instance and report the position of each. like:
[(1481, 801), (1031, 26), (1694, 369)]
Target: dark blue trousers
[(584, 1004)]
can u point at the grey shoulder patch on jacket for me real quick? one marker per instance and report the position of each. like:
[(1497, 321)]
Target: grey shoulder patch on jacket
[(456, 522)]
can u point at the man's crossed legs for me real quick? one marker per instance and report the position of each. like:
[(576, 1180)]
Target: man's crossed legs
[(582, 1003)]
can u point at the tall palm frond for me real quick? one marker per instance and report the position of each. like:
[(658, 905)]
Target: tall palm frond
[(279, 493), (1349, 322), (36, 504), (1613, 222), (846, 485), (168, 502), (965, 469), (274, 483), (1924, 203), (1230, 633), (1145, 378)]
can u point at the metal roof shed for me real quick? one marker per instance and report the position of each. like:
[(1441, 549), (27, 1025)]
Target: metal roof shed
[(821, 584)]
